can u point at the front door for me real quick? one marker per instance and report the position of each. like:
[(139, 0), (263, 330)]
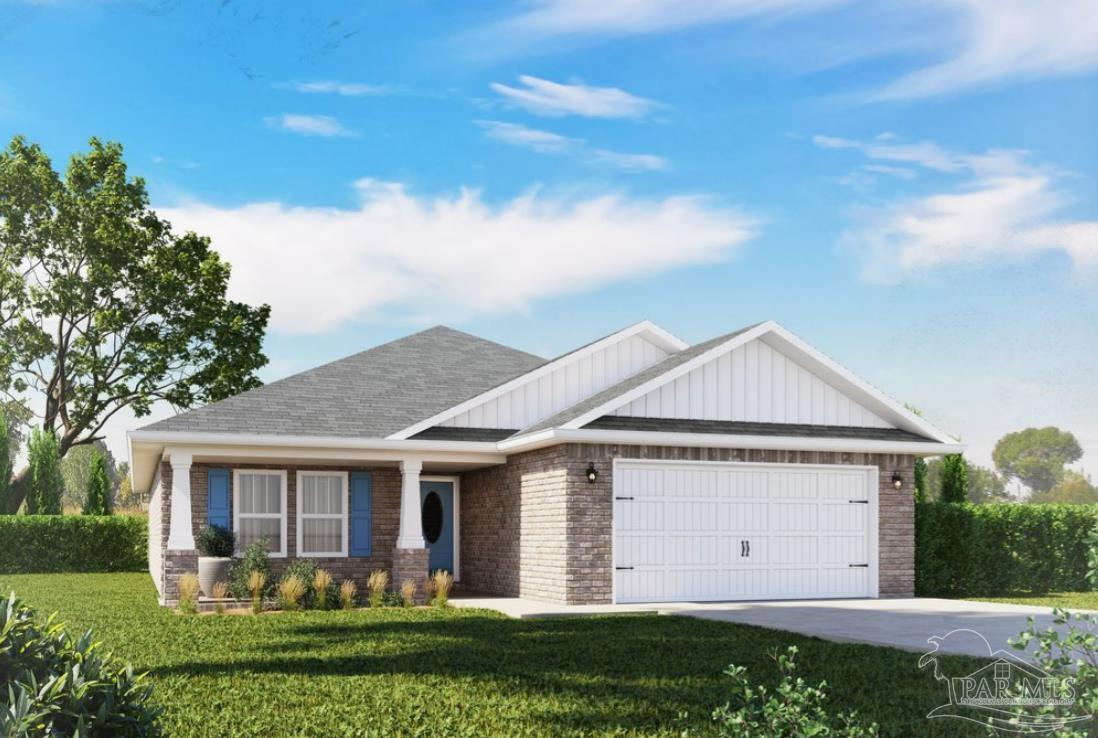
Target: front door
[(437, 509)]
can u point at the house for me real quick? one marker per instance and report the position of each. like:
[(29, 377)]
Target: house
[(636, 468)]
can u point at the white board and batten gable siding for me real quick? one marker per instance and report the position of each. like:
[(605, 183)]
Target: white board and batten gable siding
[(756, 383), (563, 386)]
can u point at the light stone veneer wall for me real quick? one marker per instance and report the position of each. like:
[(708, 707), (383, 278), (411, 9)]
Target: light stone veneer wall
[(535, 527)]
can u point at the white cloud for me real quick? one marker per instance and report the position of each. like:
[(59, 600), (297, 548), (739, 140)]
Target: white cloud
[(516, 134), (332, 87), (308, 125), (901, 172), (630, 17), (547, 142), (453, 255), (542, 97), (1002, 208), (1007, 39)]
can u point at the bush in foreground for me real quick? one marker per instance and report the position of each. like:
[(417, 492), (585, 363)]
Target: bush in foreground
[(58, 685)]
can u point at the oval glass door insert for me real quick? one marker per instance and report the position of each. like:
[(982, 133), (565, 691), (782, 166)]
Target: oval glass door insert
[(432, 517)]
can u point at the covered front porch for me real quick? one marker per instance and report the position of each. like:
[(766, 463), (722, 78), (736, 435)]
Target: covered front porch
[(351, 510)]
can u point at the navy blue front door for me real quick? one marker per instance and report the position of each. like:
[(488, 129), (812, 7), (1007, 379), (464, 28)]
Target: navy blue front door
[(437, 509)]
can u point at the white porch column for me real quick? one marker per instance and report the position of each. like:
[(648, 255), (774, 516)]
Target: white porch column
[(181, 534), (411, 521)]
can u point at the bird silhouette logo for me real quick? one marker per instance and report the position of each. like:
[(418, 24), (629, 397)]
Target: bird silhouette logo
[(1007, 694)]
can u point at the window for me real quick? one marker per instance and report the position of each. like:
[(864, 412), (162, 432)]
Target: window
[(322, 513), (259, 509)]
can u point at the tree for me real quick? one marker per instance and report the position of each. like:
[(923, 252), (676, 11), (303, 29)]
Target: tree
[(125, 497), (984, 485), (76, 469), (97, 500), (44, 481), (6, 455), (103, 307), (1073, 489), (954, 476), (920, 479), (1036, 456)]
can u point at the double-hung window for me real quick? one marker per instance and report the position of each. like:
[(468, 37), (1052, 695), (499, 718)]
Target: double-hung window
[(259, 509), (321, 513)]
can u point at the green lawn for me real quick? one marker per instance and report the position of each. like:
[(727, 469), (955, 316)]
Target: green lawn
[(1068, 600), (461, 672)]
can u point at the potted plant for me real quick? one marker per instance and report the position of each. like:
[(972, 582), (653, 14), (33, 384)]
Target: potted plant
[(215, 549)]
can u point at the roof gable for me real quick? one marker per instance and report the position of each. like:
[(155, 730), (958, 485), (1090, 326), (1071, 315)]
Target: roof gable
[(865, 405), (371, 394), (558, 384)]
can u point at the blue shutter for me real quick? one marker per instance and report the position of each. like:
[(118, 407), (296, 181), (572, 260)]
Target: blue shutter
[(217, 498), (362, 493)]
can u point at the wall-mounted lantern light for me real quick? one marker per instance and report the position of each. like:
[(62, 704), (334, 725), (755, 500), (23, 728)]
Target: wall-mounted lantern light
[(592, 473), (897, 480)]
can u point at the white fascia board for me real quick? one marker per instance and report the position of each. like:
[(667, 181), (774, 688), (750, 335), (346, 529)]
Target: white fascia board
[(194, 438), (894, 411), (653, 332), (715, 440), (662, 379)]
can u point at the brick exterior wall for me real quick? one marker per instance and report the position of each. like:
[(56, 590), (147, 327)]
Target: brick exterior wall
[(385, 523), (537, 528)]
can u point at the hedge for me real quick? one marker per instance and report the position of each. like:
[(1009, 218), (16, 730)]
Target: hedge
[(965, 550), (31, 544)]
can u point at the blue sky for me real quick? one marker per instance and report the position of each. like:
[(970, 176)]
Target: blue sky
[(910, 186)]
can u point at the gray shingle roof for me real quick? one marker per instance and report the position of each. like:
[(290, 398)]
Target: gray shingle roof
[(371, 394), (608, 394), (732, 427)]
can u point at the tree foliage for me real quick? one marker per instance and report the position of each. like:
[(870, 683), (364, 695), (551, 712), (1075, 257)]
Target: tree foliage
[(102, 306), (1036, 456), (126, 497), (76, 470), (1072, 489), (954, 479), (984, 485), (6, 454), (97, 499), (920, 479), (44, 481)]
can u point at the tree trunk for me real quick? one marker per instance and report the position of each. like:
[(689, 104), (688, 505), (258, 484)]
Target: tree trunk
[(17, 491)]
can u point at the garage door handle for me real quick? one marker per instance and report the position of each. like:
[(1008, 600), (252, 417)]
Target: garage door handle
[(623, 498), (864, 566), (858, 502), (624, 568)]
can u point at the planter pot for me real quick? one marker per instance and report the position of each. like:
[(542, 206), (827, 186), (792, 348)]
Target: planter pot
[(212, 570)]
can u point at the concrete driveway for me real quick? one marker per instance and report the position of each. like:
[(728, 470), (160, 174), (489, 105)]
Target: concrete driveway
[(901, 623)]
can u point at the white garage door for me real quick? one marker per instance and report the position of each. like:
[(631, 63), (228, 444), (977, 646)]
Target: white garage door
[(730, 531)]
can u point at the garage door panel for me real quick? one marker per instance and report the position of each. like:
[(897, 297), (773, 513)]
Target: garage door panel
[(736, 531)]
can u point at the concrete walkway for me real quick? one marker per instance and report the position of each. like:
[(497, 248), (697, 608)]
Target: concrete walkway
[(901, 623)]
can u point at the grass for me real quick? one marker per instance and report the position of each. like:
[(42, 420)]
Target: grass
[(428, 671), (1067, 600)]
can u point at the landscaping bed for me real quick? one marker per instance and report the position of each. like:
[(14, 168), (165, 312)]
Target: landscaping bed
[(432, 671)]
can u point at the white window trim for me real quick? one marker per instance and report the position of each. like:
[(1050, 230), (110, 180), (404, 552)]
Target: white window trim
[(283, 516), (344, 516)]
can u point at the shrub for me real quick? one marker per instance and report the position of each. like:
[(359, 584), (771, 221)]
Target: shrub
[(220, 592), (215, 541), (1092, 556), (34, 544), (954, 479), (257, 582), (1070, 657), (443, 581), (347, 592), (322, 587), (377, 583), (255, 559), (792, 710), (408, 592), (305, 570), (44, 481), (290, 591), (6, 454), (964, 550), (57, 685), (188, 594), (97, 495)]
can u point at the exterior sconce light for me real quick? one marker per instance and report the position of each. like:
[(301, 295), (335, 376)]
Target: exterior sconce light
[(897, 480), (592, 473)]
